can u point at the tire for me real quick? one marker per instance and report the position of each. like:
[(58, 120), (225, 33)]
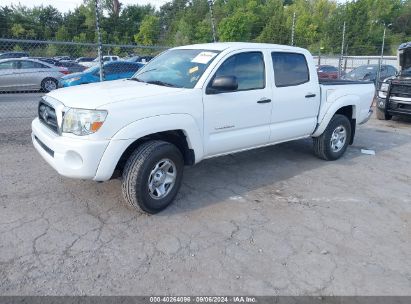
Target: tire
[(152, 163), (49, 84), (381, 115), (325, 146)]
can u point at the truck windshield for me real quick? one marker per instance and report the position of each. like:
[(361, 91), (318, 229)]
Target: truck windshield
[(405, 63), (406, 72), (176, 68)]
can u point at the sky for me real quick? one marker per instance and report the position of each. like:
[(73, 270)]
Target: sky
[(66, 5)]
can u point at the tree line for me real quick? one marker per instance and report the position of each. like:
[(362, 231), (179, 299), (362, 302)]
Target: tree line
[(318, 23)]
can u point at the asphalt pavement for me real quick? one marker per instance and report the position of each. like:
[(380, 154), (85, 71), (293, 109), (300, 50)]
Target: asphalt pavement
[(272, 221)]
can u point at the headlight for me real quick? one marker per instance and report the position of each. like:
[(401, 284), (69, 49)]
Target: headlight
[(384, 87), (83, 122), (73, 79)]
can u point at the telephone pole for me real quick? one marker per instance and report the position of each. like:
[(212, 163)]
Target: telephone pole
[(293, 30)]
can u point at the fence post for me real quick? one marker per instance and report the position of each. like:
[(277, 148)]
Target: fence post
[(210, 6), (99, 44), (293, 30)]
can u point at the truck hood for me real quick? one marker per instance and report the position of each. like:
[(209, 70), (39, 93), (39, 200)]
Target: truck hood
[(96, 95)]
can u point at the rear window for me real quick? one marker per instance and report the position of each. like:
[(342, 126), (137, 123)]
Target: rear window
[(290, 69)]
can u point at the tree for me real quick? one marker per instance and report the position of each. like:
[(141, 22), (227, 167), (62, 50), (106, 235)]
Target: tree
[(149, 31)]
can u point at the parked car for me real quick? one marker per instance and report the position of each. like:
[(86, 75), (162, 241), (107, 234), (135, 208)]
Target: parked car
[(84, 59), (96, 60), (192, 103), (72, 67), (29, 74), (143, 59), (112, 71), (327, 72), (13, 55), (45, 59), (369, 73), (59, 58)]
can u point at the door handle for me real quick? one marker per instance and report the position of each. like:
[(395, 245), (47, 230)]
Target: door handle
[(264, 100), (310, 95)]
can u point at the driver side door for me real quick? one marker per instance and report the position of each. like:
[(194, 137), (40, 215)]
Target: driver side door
[(238, 119)]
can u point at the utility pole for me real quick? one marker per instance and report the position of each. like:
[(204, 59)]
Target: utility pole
[(99, 44), (293, 31), (210, 6), (342, 51)]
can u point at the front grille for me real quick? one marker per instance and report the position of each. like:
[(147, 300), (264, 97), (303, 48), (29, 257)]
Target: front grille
[(401, 90), (47, 115)]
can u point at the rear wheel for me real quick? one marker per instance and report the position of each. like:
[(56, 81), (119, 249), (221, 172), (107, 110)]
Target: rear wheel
[(381, 115), (152, 176), (331, 145), (49, 84)]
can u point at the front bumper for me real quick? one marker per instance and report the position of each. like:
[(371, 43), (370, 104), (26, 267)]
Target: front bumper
[(395, 106), (71, 157)]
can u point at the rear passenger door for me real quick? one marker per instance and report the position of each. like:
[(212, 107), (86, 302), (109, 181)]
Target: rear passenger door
[(296, 96), (239, 119), (32, 73)]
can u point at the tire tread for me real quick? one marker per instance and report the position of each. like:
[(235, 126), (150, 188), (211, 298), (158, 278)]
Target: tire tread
[(132, 167), (320, 143)]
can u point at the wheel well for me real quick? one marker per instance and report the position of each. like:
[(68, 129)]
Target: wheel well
[(348, 111), (175, 137)]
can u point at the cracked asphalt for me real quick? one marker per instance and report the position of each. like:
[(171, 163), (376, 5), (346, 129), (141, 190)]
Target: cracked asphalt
[(273, 221)]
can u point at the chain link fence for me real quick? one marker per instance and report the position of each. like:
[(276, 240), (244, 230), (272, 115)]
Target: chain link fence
[(47, 65), (30, 68)]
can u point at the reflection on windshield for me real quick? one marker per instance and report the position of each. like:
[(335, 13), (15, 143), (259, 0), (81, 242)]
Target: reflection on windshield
[(177, 68)]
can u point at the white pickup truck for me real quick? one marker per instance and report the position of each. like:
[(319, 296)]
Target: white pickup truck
[(191, 103)]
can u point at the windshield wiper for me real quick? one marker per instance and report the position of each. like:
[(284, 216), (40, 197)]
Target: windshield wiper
[(136, 79), (162, 83)]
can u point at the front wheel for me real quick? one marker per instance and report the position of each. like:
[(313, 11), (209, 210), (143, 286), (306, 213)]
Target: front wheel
[(331, 145), (152, 176)]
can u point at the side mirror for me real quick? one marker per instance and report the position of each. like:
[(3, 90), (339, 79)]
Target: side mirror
[(222, 84)]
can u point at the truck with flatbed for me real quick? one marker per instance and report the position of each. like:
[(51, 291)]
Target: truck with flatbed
[(394, 93), (192, 103)]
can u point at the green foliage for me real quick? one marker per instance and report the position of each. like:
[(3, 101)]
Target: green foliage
[(318, 23), (149, 31)]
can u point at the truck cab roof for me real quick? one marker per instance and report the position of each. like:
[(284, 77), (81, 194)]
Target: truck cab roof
[(222, 46)]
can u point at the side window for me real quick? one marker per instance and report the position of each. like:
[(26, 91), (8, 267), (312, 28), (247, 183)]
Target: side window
[(120, 68), (25, 64), (248, 68), (8, 65), (114, 58), (109, 69), (290, 69), (132, 68)]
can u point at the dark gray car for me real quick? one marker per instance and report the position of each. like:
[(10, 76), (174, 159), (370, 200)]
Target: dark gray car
[(369, 73)]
